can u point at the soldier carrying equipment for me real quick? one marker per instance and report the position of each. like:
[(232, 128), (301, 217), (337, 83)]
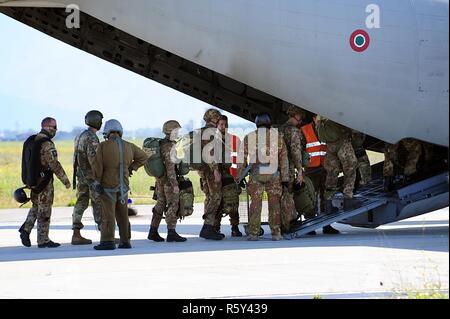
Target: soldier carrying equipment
[(34, 175)]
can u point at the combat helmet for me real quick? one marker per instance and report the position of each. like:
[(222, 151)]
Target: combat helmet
[(112, 126), (94, 119), (212, 116), (263, 120), (294, 110), (20, 196), (169, 126)]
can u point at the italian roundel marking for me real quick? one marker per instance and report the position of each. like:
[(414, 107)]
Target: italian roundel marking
[(359, 40)]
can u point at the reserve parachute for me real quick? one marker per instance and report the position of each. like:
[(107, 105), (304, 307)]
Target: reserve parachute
[(154, 166)]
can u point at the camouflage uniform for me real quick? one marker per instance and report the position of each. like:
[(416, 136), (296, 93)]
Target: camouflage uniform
[(364, 167), (292, 140), (340, 154), (212, 190), (230, 191), (167, 200), (42, 202), (272, 184), (391, 153), (85, 147)]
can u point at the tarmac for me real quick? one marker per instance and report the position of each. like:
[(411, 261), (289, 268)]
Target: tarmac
[(392, 261)]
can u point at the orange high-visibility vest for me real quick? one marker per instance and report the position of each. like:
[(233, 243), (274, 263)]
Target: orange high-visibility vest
[(234, 156), (316, 149)]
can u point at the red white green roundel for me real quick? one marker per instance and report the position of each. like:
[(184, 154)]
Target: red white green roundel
[(359, 40)]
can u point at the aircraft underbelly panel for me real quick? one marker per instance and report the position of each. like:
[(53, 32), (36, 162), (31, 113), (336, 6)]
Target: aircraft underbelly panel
[(299, 51)]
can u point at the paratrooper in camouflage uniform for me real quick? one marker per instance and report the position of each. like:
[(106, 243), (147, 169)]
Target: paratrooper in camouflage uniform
[(230, 190), (272, 178), (364, 168), (413, 148), (292, 139), (42, 202), (85, 148), (167, 188), (340, 156), (209, 172)]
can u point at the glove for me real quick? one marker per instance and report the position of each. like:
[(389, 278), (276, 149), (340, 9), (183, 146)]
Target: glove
[(130, 171), (242, 184), (98, 188), (285, 185)]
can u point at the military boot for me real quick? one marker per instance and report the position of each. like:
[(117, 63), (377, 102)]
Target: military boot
[(77, 239), (124, 245), (217, 230), (24, 236), (235, 232), (329, 230), (153, 235), (276, 237), (351, 204), (49, 244), (172, 236), (329, 208), (105, 245), (208, 232), (388, 184)]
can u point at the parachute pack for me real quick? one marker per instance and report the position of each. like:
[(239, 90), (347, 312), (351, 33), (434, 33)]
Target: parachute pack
[(154, 165), (34, 175)]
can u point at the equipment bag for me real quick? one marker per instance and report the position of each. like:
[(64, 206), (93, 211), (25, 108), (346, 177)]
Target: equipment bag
[(305, 197), (34, 175), (330, 132), (154, 166), (230, 198), (186, 198)]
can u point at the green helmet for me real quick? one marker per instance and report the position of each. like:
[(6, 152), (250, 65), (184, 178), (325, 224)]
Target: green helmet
[(94, 119), (212, 116), (169, 126), (294, 110)]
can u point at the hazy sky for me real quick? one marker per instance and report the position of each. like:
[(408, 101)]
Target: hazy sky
[(41, 76)]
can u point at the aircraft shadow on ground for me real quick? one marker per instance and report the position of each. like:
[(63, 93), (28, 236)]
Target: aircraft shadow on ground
[(399, 238)]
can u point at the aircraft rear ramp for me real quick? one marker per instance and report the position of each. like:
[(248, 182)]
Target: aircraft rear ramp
[(379, 208)]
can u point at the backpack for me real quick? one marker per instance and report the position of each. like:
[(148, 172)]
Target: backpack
[(330, 132), (154, 166), (34, 175), (305, 197), (186, 207)]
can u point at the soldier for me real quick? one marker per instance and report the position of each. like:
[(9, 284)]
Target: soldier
[(364, 168), (413, 148), (85, 147), (208, 170), (268, 170), (340, 153), (312, 192), (292, 139), (42, 199), (167, 188), (114, 161), (230, 190)]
